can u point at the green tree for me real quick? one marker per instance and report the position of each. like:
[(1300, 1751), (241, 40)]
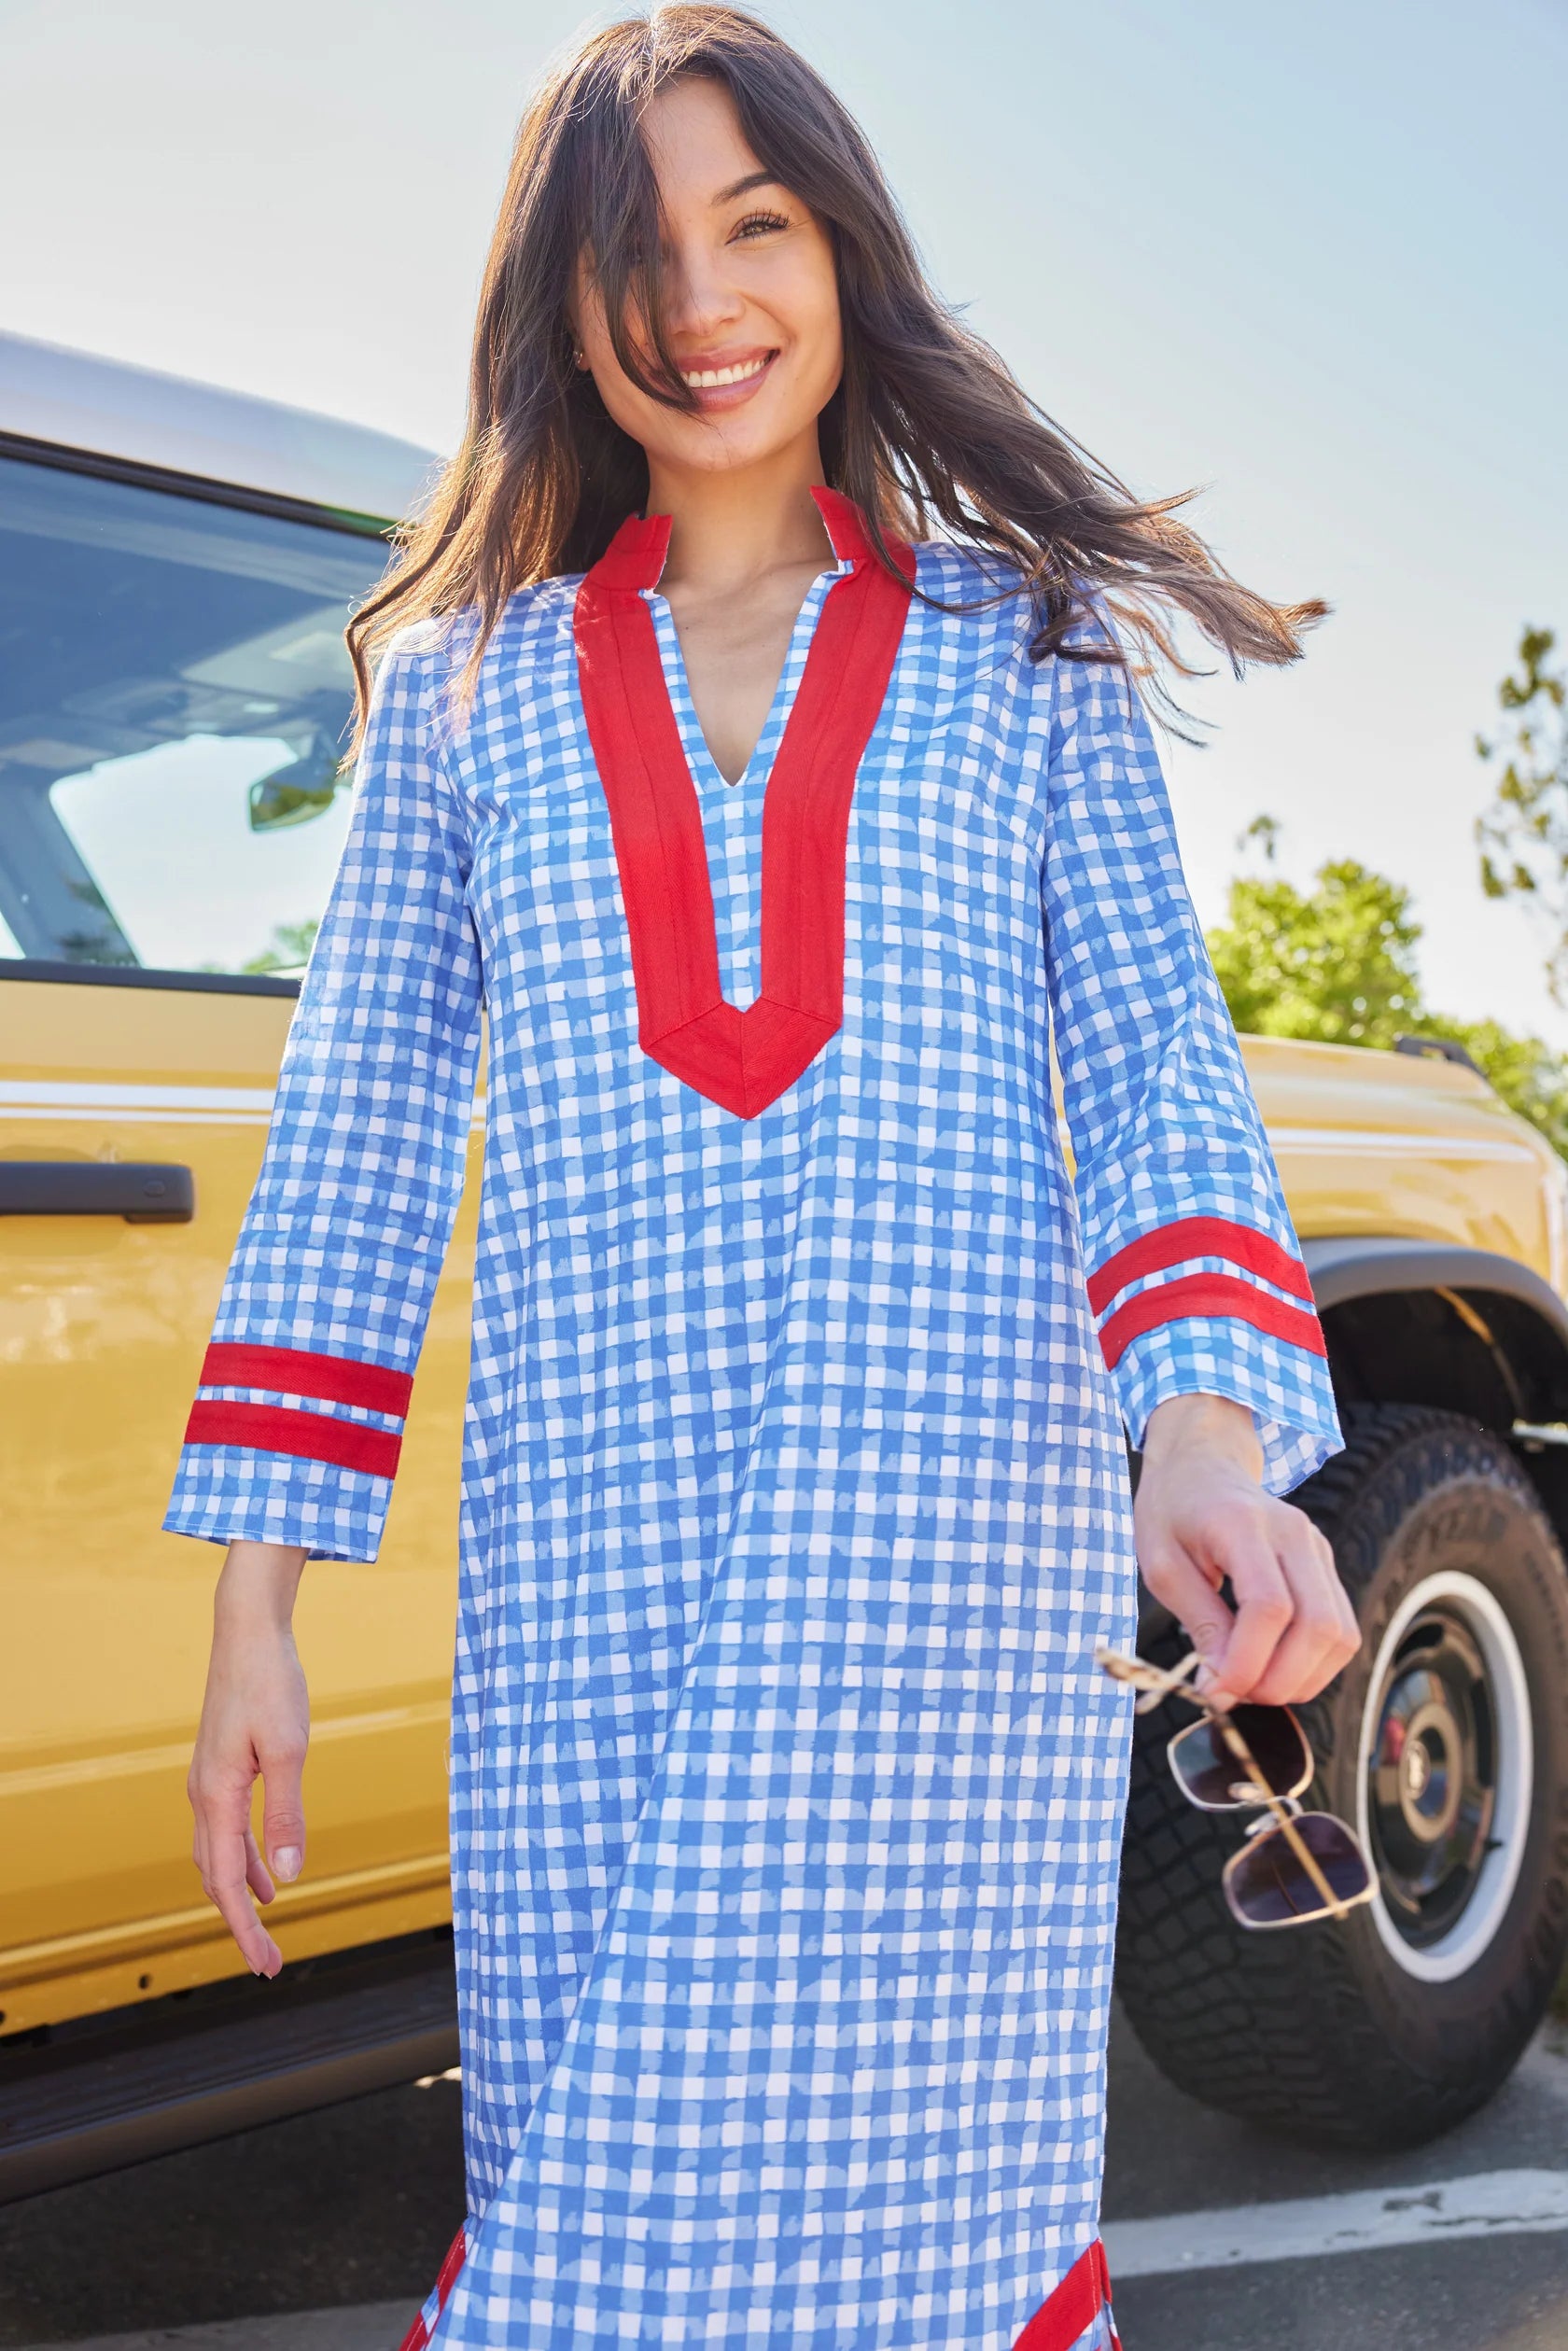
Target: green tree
[(1523, 836), (1529, 1076), (1337, 964), (290, 948)]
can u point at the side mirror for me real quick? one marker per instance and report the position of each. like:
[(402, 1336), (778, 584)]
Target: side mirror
[(293, 794)]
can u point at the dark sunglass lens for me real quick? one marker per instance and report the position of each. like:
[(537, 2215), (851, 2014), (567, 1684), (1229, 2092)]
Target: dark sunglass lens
[(1268, 1884), (1209, 1774), (1278, 1746), (1205, 1770)]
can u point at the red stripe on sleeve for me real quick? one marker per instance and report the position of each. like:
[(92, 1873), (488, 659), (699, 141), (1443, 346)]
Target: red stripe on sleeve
[(1073, 2308), (1198, 1237), (312, 1436), (1199, 1293), (287, 1371)]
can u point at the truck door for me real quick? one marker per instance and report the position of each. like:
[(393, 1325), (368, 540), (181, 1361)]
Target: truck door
[(173, 695)]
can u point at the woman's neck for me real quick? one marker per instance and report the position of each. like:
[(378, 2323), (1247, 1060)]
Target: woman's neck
[(729, 530)]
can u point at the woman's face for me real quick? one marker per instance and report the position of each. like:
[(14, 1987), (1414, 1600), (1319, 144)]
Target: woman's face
[(751, 300)]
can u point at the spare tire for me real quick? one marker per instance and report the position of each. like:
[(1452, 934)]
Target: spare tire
[(1445, 1742)]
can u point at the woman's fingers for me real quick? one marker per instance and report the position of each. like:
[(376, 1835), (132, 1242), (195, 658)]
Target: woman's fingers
[(1243, 1552), (283, 1818), (258, 1875), (1322, 1635), (226, 1889), (1295, 1627), (1185, 1564), (223, 1846), (1192, 1596)]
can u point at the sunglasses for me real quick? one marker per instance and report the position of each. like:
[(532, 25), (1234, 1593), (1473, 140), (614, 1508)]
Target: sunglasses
[(1294, 1866)]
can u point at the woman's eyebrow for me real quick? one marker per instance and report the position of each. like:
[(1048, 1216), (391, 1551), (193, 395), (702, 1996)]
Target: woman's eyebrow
[(744, 187)]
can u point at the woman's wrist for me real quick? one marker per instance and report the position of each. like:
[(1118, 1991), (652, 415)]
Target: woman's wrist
[(1216, 1424), (258, 1585)]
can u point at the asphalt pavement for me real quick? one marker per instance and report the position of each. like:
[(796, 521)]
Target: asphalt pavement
[(355, 2205), (1470, 2278), (323, 2233)]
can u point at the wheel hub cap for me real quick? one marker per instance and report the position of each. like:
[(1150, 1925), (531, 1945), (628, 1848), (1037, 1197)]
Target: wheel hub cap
[(1433, 1774)]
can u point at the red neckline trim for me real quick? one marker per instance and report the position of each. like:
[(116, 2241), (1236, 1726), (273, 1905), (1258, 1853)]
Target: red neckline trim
[(742, 1060)]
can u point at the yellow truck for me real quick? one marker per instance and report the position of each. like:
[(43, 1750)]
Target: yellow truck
[(175, 567)]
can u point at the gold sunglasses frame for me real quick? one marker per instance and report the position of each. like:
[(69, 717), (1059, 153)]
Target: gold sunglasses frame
[(1154, 1687)]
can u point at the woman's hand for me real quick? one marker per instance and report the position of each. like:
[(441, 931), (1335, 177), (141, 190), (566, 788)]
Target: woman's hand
[(1201, 1517), (255, 1721)]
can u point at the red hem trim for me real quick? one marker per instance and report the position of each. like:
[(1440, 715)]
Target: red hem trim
[(418, 2334), (1200, 1237), (289, 1371), (1073, 2308), (742, 1060), (311, 1437), (1069, 2312), (1203, 1293)]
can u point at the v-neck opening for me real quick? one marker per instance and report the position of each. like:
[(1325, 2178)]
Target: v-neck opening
[(706, 770)]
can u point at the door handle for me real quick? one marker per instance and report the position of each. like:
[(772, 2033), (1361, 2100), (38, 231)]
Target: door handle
[(143, 1191)]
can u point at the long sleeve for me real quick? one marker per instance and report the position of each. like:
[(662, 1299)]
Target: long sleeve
[(294, 1435), (1194, 1274)]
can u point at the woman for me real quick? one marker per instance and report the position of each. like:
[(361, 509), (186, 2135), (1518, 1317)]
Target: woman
[(777, 835)]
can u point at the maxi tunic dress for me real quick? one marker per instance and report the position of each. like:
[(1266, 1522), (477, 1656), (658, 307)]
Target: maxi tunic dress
[(786, 1796)]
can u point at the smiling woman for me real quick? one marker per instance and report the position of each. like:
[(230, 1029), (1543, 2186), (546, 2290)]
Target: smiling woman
[(922, 425), (751, 740), (751, 320)]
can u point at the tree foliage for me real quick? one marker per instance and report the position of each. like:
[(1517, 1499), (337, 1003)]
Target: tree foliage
[(1524, 835), (288, 950), (1337, 964)]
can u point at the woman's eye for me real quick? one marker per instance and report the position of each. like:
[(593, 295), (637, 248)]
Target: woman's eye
[(759, 224)]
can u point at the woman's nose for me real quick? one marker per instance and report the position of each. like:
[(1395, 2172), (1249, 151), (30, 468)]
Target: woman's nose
[(700, 297)]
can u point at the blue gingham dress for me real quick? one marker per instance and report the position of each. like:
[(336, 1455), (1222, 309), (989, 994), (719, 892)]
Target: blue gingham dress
[(786, 1798)]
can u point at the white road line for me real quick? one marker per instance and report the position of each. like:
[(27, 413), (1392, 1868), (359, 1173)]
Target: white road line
[(1365, 2220)]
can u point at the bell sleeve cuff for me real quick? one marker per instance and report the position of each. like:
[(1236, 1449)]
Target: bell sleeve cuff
[(285, 1444), (1205, 1305)]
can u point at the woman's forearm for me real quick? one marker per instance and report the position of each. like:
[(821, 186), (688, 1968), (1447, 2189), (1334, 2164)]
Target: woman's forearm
[(258, 1585), (1212, 1422)]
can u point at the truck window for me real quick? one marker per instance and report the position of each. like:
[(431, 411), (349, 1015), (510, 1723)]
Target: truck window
[(175, 696)]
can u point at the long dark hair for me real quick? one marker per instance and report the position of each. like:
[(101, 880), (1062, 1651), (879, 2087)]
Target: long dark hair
[(927, 428)]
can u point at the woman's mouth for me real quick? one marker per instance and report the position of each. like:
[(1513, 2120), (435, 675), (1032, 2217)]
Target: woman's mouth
[(725, 384)]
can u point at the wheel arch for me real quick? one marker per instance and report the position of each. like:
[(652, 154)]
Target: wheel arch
[(1461, 1330)]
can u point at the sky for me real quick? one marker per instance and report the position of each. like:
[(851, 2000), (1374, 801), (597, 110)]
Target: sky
[(1309, 260)]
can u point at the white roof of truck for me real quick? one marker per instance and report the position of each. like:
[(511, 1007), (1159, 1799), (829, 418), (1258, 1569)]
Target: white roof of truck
[(76, 402)]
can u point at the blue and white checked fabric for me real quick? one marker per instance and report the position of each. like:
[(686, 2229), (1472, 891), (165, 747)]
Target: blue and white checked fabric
[(786, 1798)]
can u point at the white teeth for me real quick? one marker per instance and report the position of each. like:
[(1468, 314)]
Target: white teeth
[(708, 379)]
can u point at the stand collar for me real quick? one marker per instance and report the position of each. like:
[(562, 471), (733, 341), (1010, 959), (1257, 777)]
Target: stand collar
[(636, 557)]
